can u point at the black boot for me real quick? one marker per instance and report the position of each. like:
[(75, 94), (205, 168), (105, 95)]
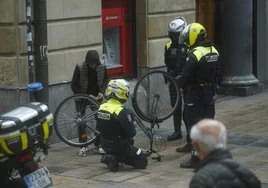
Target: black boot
[(177, 126), (187, 148), (192, 163), (104, 159), (112, 163), (175, 136)]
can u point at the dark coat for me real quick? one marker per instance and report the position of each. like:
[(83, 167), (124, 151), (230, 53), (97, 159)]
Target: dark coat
[(219, 170), (86, 80), (175, 57)]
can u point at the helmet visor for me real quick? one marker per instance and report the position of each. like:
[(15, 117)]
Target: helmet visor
[(118, 89), (184, 36)]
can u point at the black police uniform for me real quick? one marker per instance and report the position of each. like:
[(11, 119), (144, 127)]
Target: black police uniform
[(200, 76), (175, 57), (116, 126)]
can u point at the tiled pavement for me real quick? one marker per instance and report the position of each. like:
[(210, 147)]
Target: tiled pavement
[(246, 121)]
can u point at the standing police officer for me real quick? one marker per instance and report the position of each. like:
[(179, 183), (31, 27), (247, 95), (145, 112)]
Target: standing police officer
[(175, 57), (199, 78), (116, 126)]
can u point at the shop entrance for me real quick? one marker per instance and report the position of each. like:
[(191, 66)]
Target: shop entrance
[(117, 36)]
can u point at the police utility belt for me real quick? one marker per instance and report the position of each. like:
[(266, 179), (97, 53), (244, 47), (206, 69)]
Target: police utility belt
[(200, 85), (117, 139)]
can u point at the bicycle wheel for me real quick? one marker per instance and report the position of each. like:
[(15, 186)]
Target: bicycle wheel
[(75, 120), (156, 96)]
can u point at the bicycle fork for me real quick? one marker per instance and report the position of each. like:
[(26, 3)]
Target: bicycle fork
[(153, 123), (150, 134)]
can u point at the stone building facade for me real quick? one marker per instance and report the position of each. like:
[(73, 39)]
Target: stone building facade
[(73, 27)]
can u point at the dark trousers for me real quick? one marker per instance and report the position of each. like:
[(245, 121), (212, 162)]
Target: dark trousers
[(81, 106), (177, 116), (198, 105), (125, 152)]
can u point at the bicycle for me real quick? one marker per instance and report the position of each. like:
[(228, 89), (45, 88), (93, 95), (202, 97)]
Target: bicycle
[(81, 111)]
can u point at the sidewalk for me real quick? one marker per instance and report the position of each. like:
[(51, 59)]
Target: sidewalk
[(246, 121)]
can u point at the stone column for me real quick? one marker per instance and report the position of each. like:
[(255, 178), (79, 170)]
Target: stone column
[(236, 47), (141, 37)]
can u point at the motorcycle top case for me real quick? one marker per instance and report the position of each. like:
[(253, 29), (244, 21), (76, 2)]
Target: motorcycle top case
[(29, 124)]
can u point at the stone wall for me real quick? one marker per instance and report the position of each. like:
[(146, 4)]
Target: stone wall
[(74, 27), (9, 74), (156, 14)]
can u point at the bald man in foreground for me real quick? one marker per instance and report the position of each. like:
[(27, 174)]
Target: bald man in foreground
[(217, 168)]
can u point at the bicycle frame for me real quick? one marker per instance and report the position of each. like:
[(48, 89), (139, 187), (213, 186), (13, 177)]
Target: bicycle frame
[(149, 132)]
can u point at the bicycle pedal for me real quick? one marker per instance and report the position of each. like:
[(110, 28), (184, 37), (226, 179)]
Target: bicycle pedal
[(158, 157)]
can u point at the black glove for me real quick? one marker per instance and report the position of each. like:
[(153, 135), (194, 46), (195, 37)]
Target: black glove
[(133, 115), (177, 77), (131, 141)]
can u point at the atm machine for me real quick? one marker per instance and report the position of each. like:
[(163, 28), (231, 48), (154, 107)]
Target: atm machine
[(116, 37)]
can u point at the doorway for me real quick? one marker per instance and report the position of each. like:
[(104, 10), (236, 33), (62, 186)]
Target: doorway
[(208, 14), (205, 15)]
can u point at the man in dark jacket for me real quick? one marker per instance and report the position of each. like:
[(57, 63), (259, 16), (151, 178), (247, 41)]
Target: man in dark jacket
[(89, 77), (217, 168)]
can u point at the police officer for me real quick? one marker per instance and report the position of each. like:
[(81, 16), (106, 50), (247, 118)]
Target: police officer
[(116, 126), (199, 78), (175, 56)]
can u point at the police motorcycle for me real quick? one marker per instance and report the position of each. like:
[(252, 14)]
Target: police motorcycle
[(24, 132)]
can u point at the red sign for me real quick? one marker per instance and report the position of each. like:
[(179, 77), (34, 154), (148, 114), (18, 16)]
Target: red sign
[(112, 17)]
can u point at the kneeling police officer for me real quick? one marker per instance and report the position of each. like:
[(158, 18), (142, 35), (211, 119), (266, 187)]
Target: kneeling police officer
[(117, 129)]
